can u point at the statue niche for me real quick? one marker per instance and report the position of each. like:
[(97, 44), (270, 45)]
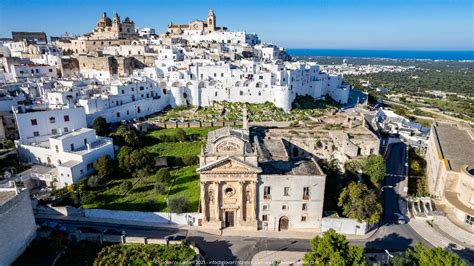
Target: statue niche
[(211, 197)]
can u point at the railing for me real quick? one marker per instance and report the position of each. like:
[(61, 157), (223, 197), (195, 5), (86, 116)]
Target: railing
[(267, 196), (306, 197)]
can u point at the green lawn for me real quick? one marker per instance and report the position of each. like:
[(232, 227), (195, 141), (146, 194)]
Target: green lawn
[(151, 254), (201, 131), (143, 197), (186, 184), (176, 148)]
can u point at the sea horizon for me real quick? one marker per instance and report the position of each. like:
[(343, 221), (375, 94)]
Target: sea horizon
[(386, 53)]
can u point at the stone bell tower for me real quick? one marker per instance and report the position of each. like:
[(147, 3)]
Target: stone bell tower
[(211, 20)]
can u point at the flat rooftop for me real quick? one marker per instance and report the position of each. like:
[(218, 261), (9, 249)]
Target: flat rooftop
[(456, 145), (296, 166), (73, 133)]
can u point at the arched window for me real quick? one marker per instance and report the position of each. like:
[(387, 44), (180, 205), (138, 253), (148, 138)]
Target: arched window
[(52, 120)]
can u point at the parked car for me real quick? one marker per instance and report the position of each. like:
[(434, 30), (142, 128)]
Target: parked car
[(175, 237), (110, 231), (87, 229), (399, 218)]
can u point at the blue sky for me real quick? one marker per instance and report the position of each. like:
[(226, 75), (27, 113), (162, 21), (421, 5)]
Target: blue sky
[(343, 24)]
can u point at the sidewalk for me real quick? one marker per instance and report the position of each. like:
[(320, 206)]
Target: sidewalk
[(281, 257), (226, 232), (442, 233), (451, 231)]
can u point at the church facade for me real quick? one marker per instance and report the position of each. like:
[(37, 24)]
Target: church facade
[(254, 183), (202, 26)]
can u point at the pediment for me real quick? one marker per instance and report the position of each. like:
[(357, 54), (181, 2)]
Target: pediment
[(229, 165)]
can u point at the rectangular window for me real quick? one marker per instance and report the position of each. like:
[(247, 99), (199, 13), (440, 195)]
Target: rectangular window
[(72, 146), (66, 130), (34, 122), (306, 193), (57, 148), (286, 191), (265, 207), (54, 131), (304, 207), (264, 217), (66, 118), (266, 192), (303, 218), (36, 133), (284, 207)]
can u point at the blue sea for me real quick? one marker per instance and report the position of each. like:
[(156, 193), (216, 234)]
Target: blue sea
[(394, 54)]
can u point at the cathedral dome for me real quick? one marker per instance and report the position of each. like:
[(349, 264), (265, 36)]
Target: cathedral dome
[(104, 21)]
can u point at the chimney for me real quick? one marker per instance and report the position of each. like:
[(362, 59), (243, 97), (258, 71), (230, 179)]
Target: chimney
[(245, 118)]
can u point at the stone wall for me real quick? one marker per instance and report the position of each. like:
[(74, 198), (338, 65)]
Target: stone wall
[(17, 227), (344, 226)]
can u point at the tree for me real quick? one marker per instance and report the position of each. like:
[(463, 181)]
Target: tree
[(178, 204), (333, 249), (163, 175), (104, 167), (374, 167), (358, 202), (100, 126), (421, 255), (181, 135), (123, 158), (126, 137), (140, 159)]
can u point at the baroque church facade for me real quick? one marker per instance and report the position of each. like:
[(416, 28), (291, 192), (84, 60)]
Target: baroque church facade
[(205, 26), (253, 183)]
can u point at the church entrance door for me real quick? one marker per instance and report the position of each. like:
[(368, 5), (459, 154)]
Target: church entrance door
[(229, 219), (283, 224)]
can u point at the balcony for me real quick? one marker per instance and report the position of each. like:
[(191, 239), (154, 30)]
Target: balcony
[(267, 196), (306, 197)]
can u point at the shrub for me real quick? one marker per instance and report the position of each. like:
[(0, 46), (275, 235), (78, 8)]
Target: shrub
[(175, 161), (151, 204), (181, 135), (163, 175), (159, 187), (88, 197), (178, 204)]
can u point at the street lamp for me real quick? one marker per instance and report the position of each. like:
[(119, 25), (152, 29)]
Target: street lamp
[(385, 187)]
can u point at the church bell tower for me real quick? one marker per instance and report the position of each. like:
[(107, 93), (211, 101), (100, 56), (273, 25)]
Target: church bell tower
[(211, 20)]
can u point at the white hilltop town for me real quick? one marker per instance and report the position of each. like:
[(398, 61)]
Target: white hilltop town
[(270, 179)]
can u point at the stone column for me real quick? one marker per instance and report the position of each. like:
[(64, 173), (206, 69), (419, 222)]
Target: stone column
[(243, 202), (217, 199), (204, 201), (253, 189)]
